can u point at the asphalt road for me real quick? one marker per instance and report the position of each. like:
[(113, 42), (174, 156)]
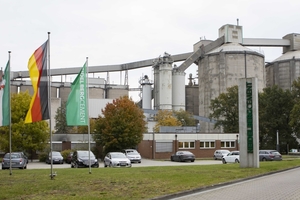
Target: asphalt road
[(145, 163)]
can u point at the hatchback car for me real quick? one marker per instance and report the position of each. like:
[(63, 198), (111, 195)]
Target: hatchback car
[(116, 159), (83, 158), (133, 155), (218, 155), (18, 160), (182, 156), (56, 158), (232, 157), (269, 155)]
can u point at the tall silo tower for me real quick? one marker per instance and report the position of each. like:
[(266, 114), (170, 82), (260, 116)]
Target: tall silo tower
[(146, 92), (224, 66), (163, 83), (285, 69), (178, 90)]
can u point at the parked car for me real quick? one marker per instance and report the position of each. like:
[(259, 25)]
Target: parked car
[(25, 156), (218, 155), (18, 160), (116, 159), (232, 157), (83, 158), (182, 156), (69, 158), (56, 158), (269, 155), (133, 155)]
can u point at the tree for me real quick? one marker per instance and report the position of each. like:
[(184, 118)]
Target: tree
[(122, 125), (185, 117), (61, 121), (24, 137), (225, 110), (275, 105), (294, 115), (166, 118)]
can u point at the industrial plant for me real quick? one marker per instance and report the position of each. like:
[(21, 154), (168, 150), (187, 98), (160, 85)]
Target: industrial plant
[(221, 63)]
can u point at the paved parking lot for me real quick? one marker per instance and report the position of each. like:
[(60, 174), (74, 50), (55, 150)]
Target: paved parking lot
[(145, 163)]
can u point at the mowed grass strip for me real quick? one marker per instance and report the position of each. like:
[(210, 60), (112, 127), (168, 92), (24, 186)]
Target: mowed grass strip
[(125, 183)]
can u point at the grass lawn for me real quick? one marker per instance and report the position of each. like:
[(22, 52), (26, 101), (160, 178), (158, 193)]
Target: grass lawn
[(125, 183)]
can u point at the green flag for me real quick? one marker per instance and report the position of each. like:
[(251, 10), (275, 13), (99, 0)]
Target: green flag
[(5, 97), (77, 110)]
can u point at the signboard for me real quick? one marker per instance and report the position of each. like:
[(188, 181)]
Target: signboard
[(249, 117)]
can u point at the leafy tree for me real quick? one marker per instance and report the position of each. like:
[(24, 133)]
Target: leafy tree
[(185, 117), (122, 125), (294, 115), (275, 106), (225, 110), (61, 121), (166, 118), (84, 129), (24, 137)]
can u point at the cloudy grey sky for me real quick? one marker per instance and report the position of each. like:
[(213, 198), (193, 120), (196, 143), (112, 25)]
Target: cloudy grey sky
[(121, 31)]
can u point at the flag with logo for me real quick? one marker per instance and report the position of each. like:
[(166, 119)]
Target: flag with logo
[(76, 110), (5, 97), (38, 72)]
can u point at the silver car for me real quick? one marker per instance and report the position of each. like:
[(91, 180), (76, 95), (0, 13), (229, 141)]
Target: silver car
[(218, 155), (116, 159), (18, 160), (133, 155)]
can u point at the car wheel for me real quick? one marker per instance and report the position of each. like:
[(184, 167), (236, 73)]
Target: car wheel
[(237, 161), (140, 161), (172, 158), (263, 159), (104, 164), (224, 161), (192, 160), (215, 157)]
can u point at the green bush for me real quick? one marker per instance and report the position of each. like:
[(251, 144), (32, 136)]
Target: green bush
[(43, 156), (65, 153)]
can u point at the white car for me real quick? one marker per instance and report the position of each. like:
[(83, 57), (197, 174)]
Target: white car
[(133, 155), (232, 157), (116, 159)]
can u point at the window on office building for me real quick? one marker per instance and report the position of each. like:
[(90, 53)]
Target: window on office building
[(186, 145), (207, 144), (228, 144)]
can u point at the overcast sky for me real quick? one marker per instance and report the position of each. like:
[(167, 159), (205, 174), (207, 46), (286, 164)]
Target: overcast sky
[(122, 31)]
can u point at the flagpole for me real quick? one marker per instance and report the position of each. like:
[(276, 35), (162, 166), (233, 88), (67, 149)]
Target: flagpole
[(49, 101), (88, 113), (8, 85)]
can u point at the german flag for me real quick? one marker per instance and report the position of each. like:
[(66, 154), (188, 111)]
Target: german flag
[(37, 66)]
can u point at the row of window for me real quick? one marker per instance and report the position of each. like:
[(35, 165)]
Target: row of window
[(168, 146), (206, 144)]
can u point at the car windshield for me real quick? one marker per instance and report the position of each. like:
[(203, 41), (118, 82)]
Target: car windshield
[(118, 155), (132, 152), (85, 154), (13, 155), (55, 154)]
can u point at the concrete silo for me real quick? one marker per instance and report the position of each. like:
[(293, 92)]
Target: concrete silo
[(163, 83), (146, 92), (224, 66), (285, 69), (178, 90)]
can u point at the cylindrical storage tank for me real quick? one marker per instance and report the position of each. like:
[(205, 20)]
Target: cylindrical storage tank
[(146, 92), (284, 70), (178, 90), (222, 68), (163, 83), (165, 86)]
